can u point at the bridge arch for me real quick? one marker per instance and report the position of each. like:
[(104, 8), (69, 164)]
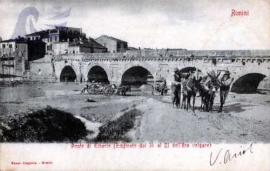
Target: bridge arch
[(91, 67), (136, 75), (68, 74), (97, 74), (247, 79), (189, 69), (143, 70), (247, 83)]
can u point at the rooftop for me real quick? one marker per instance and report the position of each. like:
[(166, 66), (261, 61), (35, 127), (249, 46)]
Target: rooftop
[(43, 33), (20, 40), (112, 38), (10, 40), (86, 43)]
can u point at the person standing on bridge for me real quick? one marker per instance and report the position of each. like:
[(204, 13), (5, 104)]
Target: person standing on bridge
[(226, 81), (176, 87)]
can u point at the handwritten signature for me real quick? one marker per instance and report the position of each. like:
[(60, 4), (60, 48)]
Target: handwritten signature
[(228, 155)]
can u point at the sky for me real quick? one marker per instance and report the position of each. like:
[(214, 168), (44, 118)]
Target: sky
[(188, 24)]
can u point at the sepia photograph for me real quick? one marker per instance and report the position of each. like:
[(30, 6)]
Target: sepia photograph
[(134, 83)]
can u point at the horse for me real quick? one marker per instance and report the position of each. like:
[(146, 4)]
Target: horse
[(203, 93), (210, 88), (127, 89), (123, 89), (190, 88)]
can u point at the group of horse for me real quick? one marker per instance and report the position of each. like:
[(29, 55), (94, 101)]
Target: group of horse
[(206, 87), (106, 89)]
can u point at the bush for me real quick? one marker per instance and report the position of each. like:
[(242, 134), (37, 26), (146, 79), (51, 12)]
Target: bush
[(46, 125), (116, 130)]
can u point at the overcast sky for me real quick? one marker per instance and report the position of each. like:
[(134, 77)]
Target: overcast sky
[(201, 24)]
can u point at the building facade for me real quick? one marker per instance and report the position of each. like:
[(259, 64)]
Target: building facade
[(85, 46), (60, 48), (7, 47), (67, 40), (113, 45), (15, 55), (13, 60)]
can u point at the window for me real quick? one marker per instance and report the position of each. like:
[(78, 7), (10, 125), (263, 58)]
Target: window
[(50, 39), (16, 46), (55, 38), (36, 38), (49, 47), (3, 46), (10, 46)]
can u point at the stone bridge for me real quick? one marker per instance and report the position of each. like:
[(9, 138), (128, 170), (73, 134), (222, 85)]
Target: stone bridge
[(248, 68)]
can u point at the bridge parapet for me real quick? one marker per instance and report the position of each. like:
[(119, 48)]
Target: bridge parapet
[(205, 59), (169, 54)]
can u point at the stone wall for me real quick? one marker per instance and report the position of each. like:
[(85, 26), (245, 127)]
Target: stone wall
[(41, 71)]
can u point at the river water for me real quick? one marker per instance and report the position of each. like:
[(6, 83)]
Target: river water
[(22, 92), (13, 99)]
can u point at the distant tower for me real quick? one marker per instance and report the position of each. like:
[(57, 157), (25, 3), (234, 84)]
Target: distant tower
[(0, 39)]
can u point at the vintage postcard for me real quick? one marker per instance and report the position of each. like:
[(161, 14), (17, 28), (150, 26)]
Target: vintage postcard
[(134, 85)]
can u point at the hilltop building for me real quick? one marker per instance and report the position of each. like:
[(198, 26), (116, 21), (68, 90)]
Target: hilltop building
[(114, 45), (59, 34), (64, 40)]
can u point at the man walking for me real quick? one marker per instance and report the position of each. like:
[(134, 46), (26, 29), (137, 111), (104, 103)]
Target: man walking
[(226, 81), (176, 87)]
